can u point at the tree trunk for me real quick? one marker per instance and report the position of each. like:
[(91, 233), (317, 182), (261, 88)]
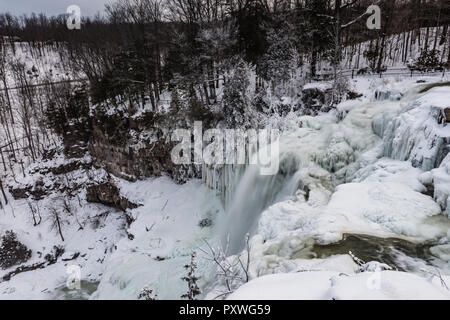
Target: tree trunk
[(337, 47), (3, 192), (59, 226)]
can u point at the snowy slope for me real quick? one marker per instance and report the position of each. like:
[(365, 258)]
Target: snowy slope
[(327, 285)]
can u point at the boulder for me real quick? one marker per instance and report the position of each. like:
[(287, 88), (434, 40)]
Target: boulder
[(109, 194)]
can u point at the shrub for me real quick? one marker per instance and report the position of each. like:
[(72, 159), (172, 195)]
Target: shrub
[(12, 252), (427, 61)]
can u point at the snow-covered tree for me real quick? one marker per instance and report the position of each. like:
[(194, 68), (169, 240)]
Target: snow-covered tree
[(281, 60), (237, 96)]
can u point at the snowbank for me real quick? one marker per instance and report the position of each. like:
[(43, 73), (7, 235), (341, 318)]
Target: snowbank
[(325, 285), (165, 232)]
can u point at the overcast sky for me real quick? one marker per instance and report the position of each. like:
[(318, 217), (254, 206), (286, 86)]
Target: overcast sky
[(51, 7)]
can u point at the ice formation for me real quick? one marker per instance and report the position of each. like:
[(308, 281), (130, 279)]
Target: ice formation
[(327, 285)]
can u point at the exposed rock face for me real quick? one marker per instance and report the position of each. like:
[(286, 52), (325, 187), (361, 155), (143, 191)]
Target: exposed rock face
[(150, 159), (50, 258), (109, 194), (442, 115), (22, 192), (37, 189), (316, 99), (135, 148), (313, 98), (69, 256), (447, 114)]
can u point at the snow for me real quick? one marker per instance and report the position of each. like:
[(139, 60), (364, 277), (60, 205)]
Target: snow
[(361, 169), (389, 170), (93, 244), (354, 57), (327, 285), (381, 208), (378, 209)]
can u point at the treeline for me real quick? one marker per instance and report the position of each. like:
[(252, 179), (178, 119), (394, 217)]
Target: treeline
[(141, 47)]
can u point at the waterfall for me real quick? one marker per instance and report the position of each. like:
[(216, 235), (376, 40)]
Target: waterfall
[(250, 192), (253, 194), (224, 179), (325, 151)]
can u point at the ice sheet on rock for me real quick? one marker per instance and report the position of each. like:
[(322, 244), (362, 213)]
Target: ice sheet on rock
[(416, 135)]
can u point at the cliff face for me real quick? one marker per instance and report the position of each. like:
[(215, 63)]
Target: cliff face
[(135, 147)]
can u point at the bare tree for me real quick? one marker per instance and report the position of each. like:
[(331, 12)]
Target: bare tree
[(232, 271), (57, 221), (3, 191), (437, 275), (35, 213)]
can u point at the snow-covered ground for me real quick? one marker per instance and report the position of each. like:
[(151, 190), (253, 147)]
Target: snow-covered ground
[(328, 285), (120, 261)]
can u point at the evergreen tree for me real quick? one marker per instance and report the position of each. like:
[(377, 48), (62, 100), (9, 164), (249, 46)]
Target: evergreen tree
[(191, 279)]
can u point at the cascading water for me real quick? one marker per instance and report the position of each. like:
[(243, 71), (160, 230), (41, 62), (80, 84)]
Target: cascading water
[(254, 193), (322, 153)]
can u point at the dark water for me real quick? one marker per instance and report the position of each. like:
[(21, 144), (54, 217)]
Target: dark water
[(369, 248), (86, 289)]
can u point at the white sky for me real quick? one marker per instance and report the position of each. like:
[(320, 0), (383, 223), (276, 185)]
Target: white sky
[(51, 7)]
